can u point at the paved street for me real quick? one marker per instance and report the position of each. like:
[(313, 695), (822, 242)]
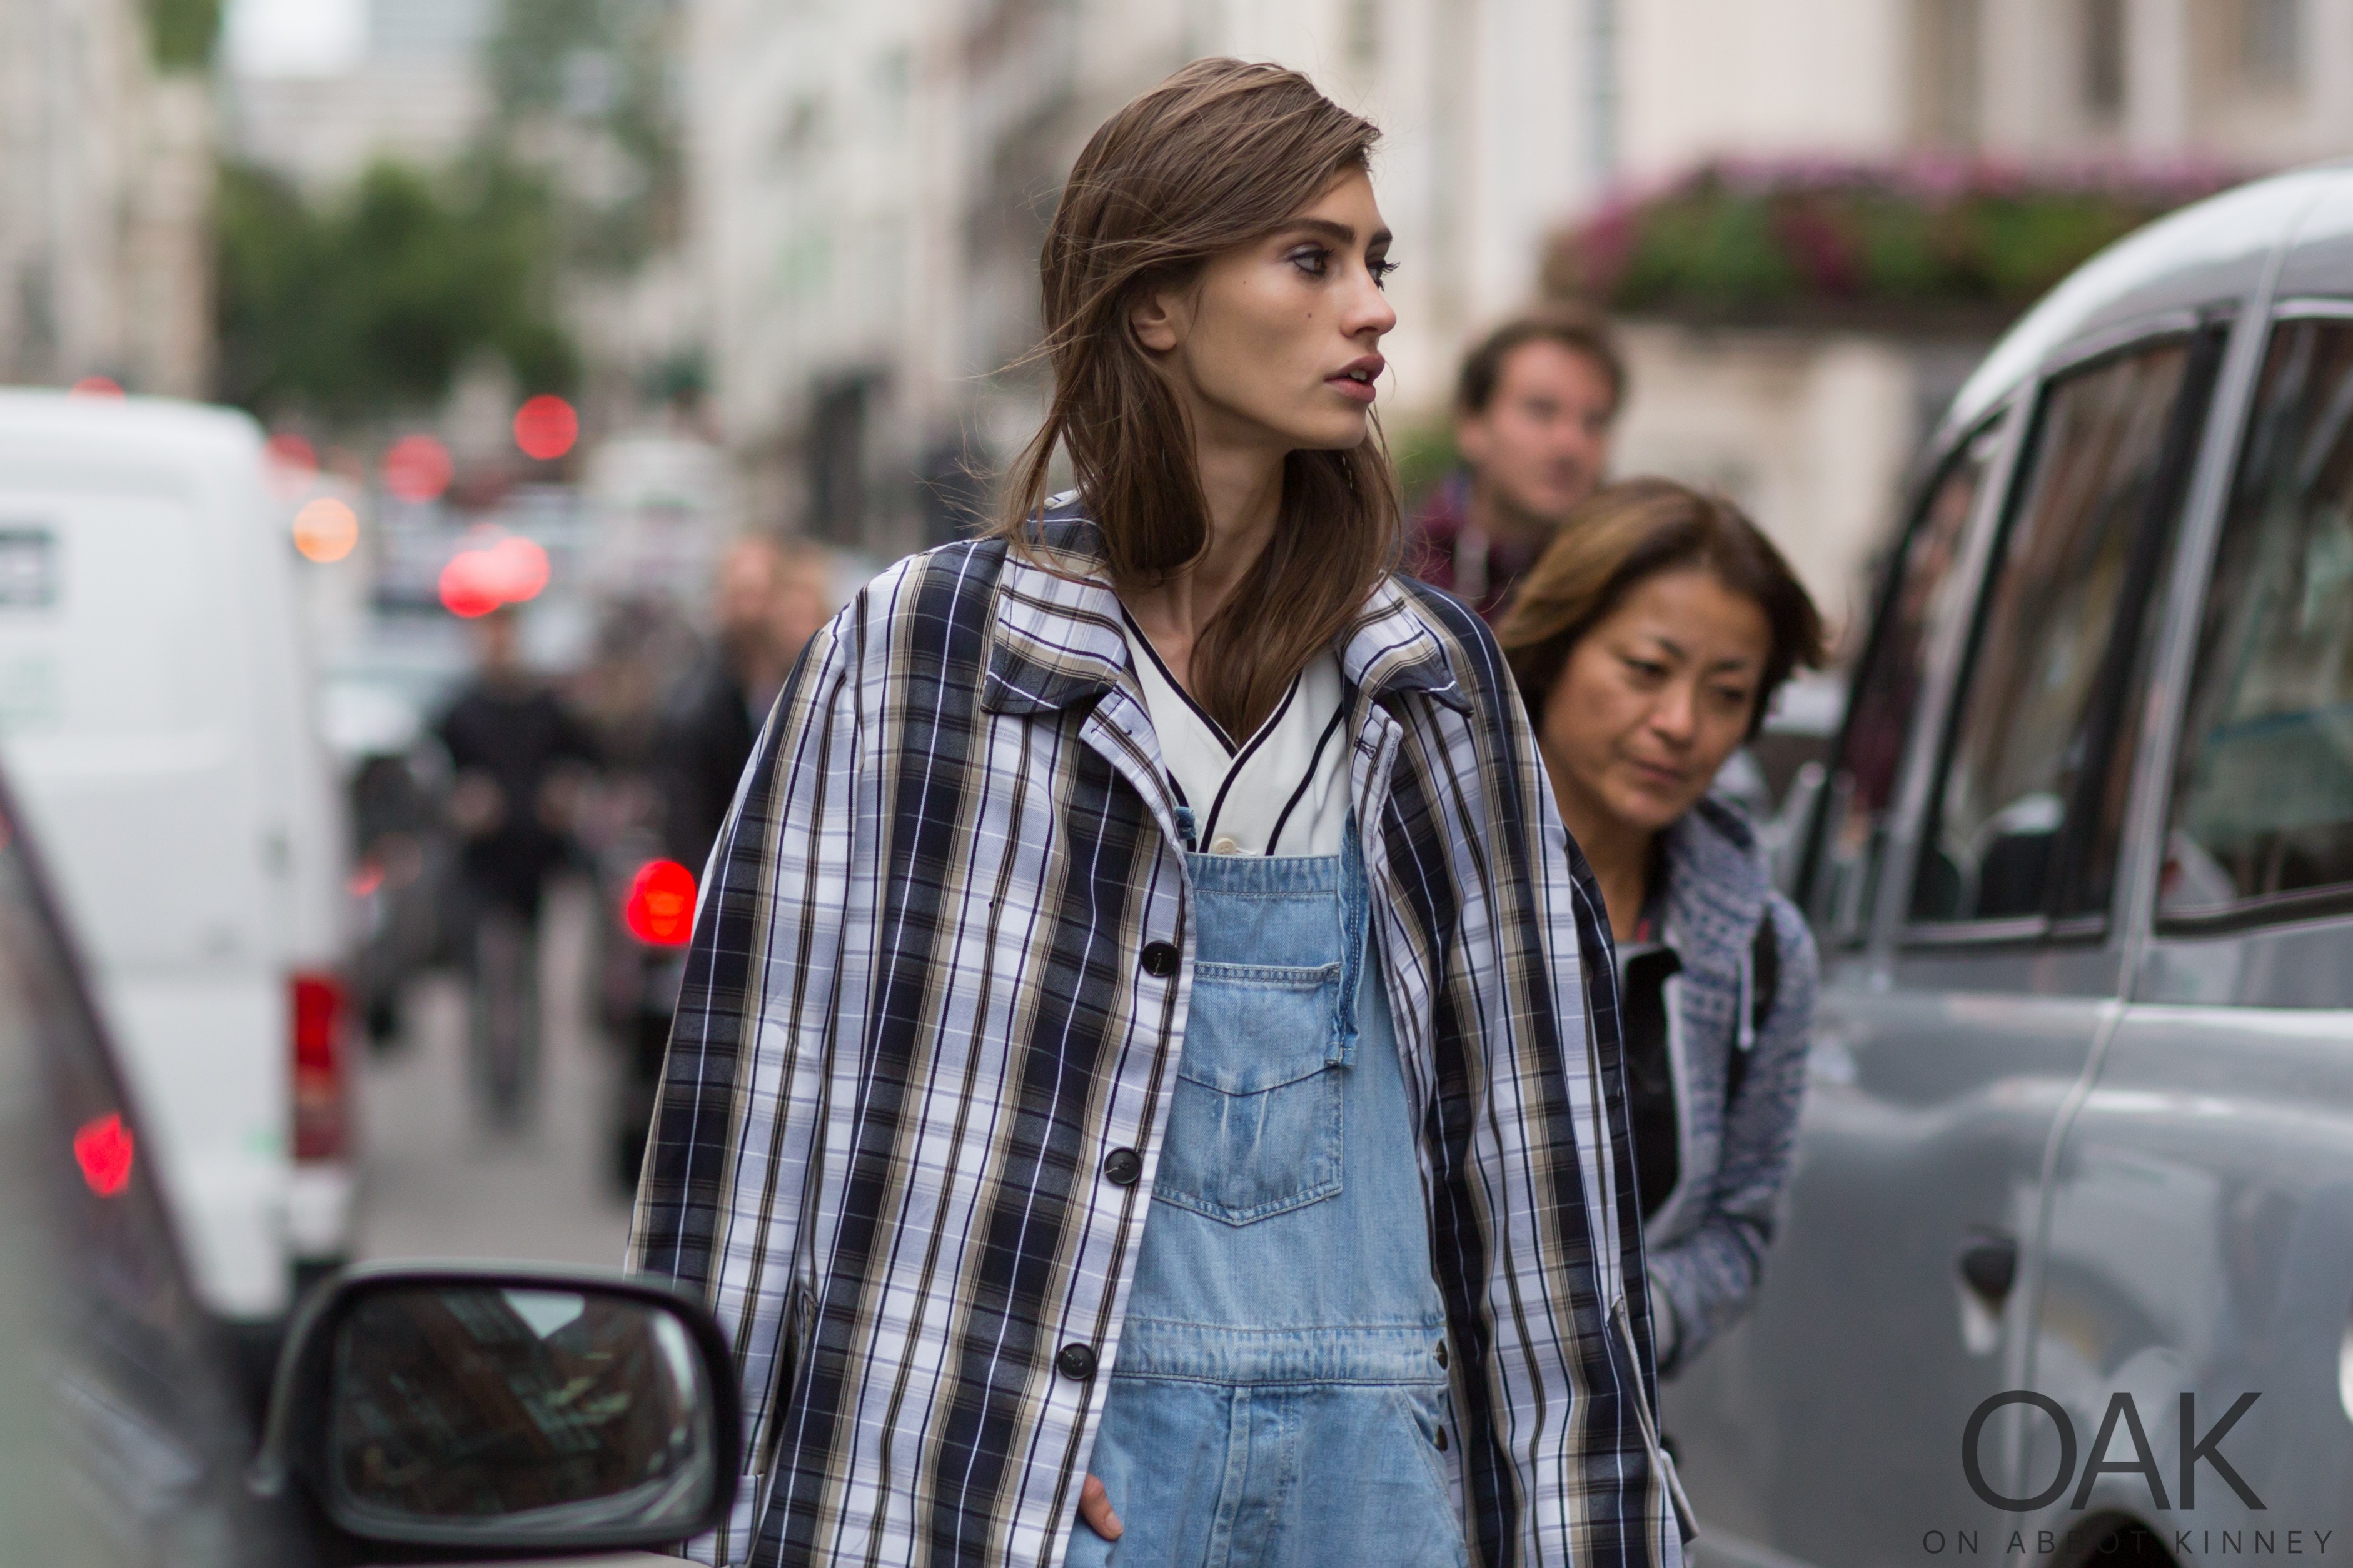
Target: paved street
[(436, 1184)]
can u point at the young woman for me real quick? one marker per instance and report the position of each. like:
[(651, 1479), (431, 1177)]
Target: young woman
[(1647, 641), (1136, 1061)]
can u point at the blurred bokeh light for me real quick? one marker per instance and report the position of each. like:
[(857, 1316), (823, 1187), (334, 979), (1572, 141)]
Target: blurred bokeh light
[(546, 427), (325, 530), (659, 908), (481, 577), (417, 469)]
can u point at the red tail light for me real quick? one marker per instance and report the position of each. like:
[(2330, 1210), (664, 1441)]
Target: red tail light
[(321, 1116), (103, 1150), (660, 908)]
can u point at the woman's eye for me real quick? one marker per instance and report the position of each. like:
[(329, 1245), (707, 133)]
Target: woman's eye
[(1733, 696), (1380, 269), (1311, 259), (1648, 669)]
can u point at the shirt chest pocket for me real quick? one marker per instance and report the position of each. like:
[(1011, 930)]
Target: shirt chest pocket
[(1254, 1127)]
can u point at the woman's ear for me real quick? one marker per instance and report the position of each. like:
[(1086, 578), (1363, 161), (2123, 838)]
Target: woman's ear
[(1156, 321)]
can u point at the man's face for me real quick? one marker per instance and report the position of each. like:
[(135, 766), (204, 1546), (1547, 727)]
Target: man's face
[(1542, 443), (747, 583), (801, 604)]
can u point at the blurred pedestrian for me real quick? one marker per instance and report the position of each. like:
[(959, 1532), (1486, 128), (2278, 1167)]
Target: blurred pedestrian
[(1647, 641), (1162, 853), (517, 755), (1534, 408), (771, 598)]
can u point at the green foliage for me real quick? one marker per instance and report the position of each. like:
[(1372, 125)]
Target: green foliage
[(369, 306), (587, 85), (1822, 242), (180, 33)]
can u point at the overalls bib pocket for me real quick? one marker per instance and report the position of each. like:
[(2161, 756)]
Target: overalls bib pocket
[(1254, 1126)]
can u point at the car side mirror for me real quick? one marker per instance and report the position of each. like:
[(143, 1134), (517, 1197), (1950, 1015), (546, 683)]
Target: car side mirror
[(446, 1414)]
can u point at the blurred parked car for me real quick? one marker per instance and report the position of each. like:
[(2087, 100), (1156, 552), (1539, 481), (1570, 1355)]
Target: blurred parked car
[(156, 715), (2068, 1218), (478, 1414)]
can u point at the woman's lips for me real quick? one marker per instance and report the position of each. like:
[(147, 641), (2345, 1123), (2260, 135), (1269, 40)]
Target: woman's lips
[(1348, 386), (1656, 777)]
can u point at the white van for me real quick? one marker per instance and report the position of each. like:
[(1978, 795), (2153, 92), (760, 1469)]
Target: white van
[(155, 713)]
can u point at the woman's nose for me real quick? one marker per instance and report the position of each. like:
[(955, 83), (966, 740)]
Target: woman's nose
[(1369, 311), (1676, 714)]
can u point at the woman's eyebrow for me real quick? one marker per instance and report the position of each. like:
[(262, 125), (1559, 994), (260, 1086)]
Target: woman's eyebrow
[(1338, 232)]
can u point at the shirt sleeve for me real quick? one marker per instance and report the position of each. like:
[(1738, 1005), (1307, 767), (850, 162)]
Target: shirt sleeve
[(1709, 1274), (733, 1144)]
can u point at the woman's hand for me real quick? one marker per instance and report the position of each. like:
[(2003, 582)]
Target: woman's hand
[(1095, 1507)]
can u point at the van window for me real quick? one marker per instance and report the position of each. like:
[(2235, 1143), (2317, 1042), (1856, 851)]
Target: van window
[(2262, 799), (2031, 801), (1845, 872)]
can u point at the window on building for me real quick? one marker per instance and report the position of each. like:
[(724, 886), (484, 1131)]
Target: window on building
[(1947, 40), (2271, 43), (2104, 58), (2263, 794), (2030, 805), (837, 460), (1361, 35)]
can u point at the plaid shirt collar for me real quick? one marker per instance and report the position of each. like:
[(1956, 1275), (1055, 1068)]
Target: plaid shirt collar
[(1057, 641)]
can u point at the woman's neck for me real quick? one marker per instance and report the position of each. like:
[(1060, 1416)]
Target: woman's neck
[(1242, 484), (1619, 853)]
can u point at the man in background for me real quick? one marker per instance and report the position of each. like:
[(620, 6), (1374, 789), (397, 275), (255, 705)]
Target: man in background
[(1534, 409), (772, 598), (518, 755), (769, 598)]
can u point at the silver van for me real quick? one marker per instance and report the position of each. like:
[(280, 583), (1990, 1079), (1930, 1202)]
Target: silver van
[(2067, 1261)]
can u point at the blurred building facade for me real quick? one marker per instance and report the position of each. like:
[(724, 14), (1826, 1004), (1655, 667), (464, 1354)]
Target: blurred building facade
[(870, 184), (415, 89), (2256, 82), (105, 188)]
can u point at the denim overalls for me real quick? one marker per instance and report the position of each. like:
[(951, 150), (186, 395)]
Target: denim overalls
[(1279, 1395)]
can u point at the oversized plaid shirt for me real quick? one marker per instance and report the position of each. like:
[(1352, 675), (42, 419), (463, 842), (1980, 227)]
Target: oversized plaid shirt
[(918, 1014)]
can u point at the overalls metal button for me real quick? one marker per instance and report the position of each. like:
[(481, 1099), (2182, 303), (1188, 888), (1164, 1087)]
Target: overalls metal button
[(1160, 959), (1076, 1361), (1122, 1166)]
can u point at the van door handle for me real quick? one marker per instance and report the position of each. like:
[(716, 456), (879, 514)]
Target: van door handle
[(1990, 1266)]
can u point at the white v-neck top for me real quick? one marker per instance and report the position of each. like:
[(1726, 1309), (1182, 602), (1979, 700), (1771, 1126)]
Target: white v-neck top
[(1284, 791)]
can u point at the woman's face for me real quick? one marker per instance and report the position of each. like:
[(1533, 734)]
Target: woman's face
[(1653, 699), (1276, 342)]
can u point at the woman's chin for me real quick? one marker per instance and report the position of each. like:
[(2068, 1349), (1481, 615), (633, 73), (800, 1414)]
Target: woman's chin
[(1650, 811), (1338, 431)]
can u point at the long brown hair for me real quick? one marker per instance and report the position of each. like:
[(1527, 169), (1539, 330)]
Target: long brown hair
[(1635, 529), (1219, 154)]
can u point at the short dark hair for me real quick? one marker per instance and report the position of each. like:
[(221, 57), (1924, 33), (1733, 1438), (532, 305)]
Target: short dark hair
[(1574, 328), (1634, 530)]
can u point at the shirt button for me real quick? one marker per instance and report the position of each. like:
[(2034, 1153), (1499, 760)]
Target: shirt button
[(1441, 1352), (1122, 1166), (1160, 959), (1225, 846), (1077, 1361)]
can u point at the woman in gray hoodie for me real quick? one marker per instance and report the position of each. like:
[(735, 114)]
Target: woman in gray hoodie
[(1647, 641)]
